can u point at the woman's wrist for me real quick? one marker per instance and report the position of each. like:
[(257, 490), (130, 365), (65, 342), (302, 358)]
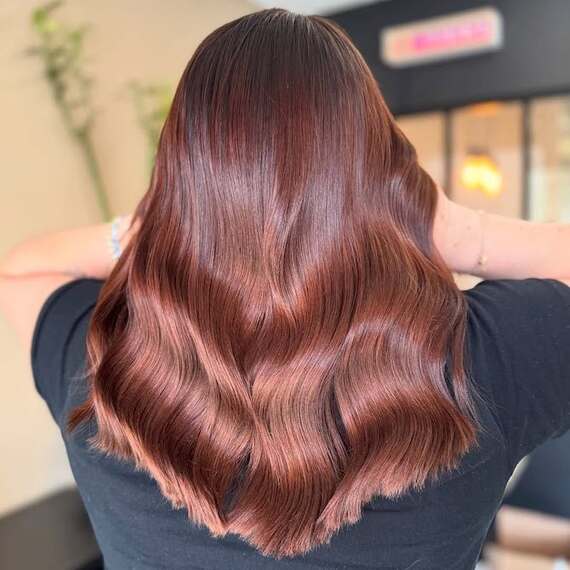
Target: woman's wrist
[(81, 252), (492, 246), (127, 229), (118, 238), (457, 233)]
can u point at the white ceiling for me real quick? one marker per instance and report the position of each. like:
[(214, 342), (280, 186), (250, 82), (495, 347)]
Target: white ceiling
[(315, 6)]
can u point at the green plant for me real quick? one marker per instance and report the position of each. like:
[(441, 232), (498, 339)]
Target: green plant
[(61, 49), (152, 102)]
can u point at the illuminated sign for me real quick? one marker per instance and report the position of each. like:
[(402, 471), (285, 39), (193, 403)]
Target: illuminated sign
[(446, 37)]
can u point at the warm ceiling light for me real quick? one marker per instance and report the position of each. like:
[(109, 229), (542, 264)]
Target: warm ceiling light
[(486, 108), (481, 172)]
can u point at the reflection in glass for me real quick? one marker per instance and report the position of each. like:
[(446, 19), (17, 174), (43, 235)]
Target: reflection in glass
[(487, 157), (549, 177), (480, 172)]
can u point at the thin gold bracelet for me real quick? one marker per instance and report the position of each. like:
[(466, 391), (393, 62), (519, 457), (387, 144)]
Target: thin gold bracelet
[(482, 259)]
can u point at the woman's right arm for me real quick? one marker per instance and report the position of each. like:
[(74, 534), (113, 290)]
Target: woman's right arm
[(513, 248)]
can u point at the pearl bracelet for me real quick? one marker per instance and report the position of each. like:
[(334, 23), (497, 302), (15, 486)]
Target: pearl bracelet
[(113, 241)]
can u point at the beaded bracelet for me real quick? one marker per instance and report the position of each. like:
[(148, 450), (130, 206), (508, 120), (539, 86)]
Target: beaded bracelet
[(113, 241)]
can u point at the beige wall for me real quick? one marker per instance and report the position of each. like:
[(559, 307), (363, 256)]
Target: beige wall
[(45, 185)]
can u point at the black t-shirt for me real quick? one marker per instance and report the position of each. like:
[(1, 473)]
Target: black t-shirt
[(519, 349)]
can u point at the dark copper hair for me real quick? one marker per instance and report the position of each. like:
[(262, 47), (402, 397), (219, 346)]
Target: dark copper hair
[(281, 341)]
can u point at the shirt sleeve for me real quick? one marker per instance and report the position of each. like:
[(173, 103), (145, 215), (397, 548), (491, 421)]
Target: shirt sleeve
[(57, 351), (519, 332)]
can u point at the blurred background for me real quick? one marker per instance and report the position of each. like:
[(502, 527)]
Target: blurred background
[(482, 88)]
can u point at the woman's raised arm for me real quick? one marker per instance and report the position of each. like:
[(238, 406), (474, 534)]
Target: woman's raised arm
[(509, 248)]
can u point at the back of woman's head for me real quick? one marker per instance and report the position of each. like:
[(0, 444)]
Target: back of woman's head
[(281, 341)]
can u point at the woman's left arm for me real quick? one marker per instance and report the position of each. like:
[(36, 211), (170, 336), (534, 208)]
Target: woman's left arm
[(34, 268)]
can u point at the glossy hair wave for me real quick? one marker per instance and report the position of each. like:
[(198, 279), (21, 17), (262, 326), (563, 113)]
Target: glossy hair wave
[(281, 341)]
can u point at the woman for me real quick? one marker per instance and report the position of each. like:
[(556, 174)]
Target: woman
[(279, 371)]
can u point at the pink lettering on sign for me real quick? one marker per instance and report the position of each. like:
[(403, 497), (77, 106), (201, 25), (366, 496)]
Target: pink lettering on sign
[(452, 37)]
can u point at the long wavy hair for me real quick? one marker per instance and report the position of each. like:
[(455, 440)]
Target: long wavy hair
[(281, 341)]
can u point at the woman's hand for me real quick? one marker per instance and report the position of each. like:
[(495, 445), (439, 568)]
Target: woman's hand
[(512, 248), (34, 268), (77, 252)]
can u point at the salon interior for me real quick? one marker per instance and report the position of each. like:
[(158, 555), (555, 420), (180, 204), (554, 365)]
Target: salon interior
[(481, 88)]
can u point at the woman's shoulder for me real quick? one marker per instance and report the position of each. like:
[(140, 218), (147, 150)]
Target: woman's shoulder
[(518, 338), (515, 313), (530, 295), (58, 342)]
